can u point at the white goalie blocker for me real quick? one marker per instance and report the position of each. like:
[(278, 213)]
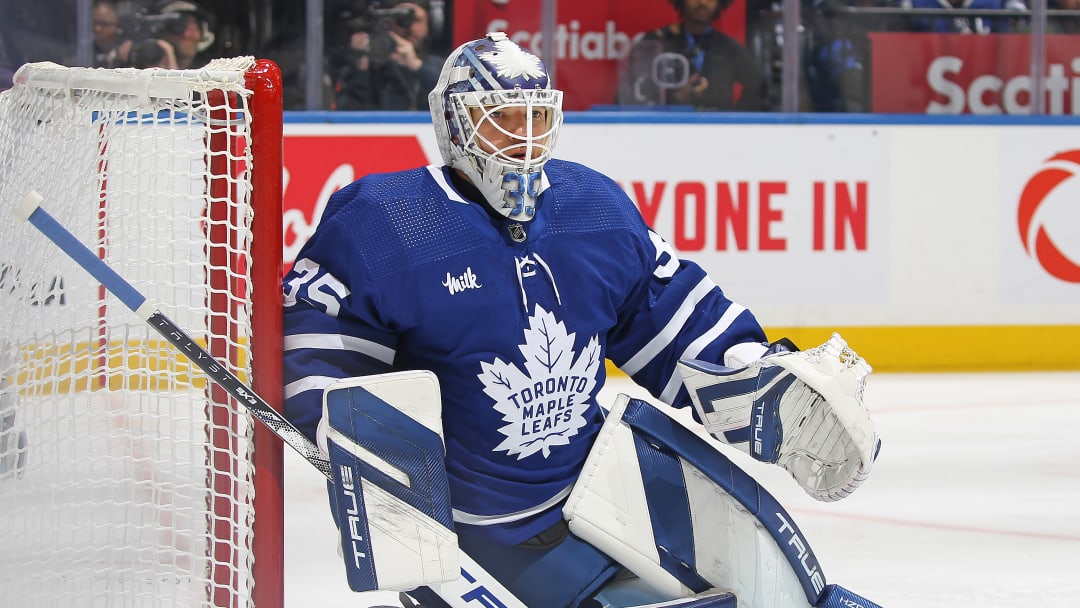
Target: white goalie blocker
[(390, 494), (687, 521)]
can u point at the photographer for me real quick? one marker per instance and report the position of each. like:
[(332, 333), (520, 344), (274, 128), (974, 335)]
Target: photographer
[(187, 29), (386, 64), (152, 53), (177, 36), (107, 33), (691, 63)]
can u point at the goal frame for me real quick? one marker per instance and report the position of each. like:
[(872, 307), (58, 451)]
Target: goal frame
[(237, 255), (268, 545)]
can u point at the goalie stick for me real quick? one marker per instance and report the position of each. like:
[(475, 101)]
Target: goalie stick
[(30, 210), (475, 586)]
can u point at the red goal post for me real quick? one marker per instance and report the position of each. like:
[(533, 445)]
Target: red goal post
[(123, 472)]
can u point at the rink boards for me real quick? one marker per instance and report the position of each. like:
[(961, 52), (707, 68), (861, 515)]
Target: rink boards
[(930, 243)]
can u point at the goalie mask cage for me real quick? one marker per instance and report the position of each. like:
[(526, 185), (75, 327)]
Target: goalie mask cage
[(126, 477)]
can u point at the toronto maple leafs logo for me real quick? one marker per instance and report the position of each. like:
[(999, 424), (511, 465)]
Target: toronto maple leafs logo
[(543, 405), (511, 61)]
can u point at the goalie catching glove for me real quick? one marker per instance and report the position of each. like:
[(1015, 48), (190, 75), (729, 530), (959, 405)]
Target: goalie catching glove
[(801, 410)]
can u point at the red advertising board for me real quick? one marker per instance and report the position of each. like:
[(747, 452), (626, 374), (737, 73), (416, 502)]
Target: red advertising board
[(316, 166), (591, 37), (970, 74)]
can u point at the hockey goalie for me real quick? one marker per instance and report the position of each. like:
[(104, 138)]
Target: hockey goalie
[(446, 333)]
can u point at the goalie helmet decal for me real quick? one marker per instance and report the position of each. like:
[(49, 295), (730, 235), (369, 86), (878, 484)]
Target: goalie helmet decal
[(496, 119), (511, 62)]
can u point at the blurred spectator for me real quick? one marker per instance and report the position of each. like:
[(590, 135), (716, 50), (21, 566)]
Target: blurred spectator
[(183, 26), (1064, 24), (109, 45), (187, 29), (152, 53), (835, 55), (385, 63), (691, 63), (963, 24), (105, 23)]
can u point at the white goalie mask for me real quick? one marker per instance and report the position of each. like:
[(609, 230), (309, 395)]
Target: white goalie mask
[(496, 118)]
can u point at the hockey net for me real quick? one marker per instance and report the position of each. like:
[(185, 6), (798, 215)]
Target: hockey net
[(126, 477)]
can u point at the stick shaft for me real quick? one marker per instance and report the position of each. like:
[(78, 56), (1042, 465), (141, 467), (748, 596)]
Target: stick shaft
[(31, 211)]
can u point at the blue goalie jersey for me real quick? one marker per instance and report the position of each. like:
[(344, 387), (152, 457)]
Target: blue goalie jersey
[(515, 319)]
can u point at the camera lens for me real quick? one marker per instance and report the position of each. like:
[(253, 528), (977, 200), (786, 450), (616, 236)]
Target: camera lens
[(176, 23), (405, 18)]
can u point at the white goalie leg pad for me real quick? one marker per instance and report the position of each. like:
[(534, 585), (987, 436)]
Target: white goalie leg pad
[(802, 410), (390, 493), (679, 514)]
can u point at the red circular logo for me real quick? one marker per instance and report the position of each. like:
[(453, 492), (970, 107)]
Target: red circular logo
[(1036, 240)]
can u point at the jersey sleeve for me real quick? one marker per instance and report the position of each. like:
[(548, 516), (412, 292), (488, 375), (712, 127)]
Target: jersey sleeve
[(678, 312), (331, 328)]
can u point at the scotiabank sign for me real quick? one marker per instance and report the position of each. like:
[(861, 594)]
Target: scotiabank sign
[(1036, 221), (971, 74), (591, 37)]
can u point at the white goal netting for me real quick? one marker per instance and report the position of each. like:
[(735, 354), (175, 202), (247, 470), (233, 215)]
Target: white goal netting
[(125, 477)]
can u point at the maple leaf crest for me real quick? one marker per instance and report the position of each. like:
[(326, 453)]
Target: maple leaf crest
[(543, 405), (511, 61)]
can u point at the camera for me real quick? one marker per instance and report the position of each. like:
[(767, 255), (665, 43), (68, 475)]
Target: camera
[(153, 26), (377, 21)]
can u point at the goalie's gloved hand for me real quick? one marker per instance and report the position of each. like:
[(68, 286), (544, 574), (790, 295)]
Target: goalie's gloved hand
[(801, 410)]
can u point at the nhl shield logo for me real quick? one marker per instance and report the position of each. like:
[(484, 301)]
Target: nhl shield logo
[(517, 232)]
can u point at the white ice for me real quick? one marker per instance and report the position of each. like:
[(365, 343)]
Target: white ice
[(974, 500)]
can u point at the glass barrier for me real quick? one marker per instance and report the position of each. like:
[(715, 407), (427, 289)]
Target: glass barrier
[(880, 56)]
